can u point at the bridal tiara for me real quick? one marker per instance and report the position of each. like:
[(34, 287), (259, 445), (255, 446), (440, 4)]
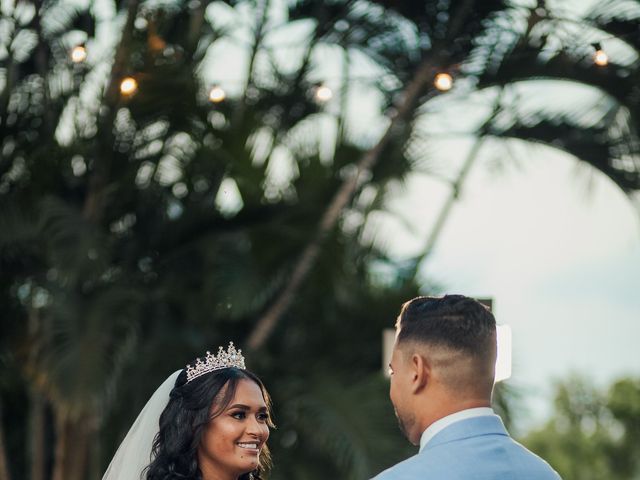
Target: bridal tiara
[(224, 359)]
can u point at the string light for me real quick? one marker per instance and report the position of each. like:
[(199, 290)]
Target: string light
[(156, 43), (78, 54), (217, 94), (128, 86), (443, 82), (322, 93), (600, 57)]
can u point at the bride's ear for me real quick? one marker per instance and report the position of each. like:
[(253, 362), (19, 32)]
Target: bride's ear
[(420, 371)]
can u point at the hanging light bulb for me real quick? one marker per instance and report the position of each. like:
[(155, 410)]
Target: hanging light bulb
[(600, 57), (443, 81), (128, 86), (78, 54), (217, 94), (322, 93)]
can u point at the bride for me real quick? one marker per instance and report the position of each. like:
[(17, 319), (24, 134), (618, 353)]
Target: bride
[(208, 421)]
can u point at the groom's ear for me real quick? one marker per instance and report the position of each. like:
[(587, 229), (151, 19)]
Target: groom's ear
[(420, 371)]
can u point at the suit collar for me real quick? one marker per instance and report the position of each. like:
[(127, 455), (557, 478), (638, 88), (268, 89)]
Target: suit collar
[(471, 427), (444, 422)]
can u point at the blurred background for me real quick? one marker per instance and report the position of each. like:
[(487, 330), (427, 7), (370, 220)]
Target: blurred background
[(178, 174)]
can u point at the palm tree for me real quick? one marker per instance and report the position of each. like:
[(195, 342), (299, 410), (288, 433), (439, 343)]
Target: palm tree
[(442, 35), (115, 239), (601, 129)]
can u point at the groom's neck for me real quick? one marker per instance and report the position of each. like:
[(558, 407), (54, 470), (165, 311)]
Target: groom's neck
[(447, 405)]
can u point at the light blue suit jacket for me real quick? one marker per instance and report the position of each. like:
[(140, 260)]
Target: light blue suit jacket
[(478, 448)]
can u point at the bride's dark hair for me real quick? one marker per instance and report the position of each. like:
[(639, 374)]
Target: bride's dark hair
[(175, 447)]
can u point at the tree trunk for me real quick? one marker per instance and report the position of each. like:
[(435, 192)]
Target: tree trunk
[(99, 177), (37, 452), (261, 15), (341, 198), (74, 436), (4, 464), (410, 97), (456, 186)]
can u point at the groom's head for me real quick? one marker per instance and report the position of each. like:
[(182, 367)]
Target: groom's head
[(443, 360)]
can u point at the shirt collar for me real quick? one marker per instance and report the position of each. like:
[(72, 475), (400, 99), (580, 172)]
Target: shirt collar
[(444, 422)]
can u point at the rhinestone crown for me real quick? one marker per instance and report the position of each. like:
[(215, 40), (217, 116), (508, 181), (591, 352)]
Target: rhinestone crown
[(211, 363)]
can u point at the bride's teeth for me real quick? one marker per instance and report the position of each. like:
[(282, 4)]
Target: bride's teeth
[(248, 445)]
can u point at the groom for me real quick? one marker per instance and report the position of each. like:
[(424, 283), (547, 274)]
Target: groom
[(442, 374)]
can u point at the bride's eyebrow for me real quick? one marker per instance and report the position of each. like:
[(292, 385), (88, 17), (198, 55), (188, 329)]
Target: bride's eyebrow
[(240, 406)]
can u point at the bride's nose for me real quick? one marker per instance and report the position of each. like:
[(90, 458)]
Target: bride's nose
[(255, 427)]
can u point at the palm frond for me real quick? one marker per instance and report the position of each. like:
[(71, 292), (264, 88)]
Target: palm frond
[(90, 338), (75, 247), (592, 145), (19, 230), (350, 426)]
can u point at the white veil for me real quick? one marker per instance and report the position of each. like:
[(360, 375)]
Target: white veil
[(134, 453)]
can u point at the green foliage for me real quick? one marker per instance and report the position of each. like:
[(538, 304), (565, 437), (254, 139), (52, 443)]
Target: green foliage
[(592, 434), (121, 259), (329, 424)]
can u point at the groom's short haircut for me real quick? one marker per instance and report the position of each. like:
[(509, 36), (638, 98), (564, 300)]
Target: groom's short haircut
[(459, 328), (453, 321)]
